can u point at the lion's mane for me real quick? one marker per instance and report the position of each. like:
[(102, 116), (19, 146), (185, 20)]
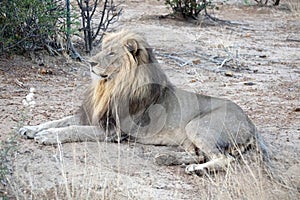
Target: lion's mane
[(139, 82)]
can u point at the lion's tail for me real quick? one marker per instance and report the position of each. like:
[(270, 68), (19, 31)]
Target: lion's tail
[(264, 149), (267, 157), (272, 170)]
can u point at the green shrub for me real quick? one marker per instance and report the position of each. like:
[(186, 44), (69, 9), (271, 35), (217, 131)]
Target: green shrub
[(29, 24), (187, 8)]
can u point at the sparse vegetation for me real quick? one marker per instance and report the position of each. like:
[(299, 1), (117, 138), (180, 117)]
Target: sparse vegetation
[(31, 25), (7, 149), (294, 6), (265, 2)]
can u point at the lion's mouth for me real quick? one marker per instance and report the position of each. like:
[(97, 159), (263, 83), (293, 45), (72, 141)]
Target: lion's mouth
[(103, 75), (98, 73)]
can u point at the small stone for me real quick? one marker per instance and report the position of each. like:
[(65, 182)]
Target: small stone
[(191, 72), (32, 90), (43, 71), (249, 83), (229, 73), (297, 109), (196, 61)]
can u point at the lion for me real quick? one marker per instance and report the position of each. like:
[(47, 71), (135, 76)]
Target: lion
[(131, 98)]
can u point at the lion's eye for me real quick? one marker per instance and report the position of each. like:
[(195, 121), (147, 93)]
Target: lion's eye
[(111, 54)]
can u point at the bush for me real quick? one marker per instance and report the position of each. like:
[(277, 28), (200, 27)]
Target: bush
[(187, 8), (265, 2), (28, 25)]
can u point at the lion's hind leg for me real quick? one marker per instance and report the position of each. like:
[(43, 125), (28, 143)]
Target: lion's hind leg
[(29, 132), (207, 135), (217, 163)]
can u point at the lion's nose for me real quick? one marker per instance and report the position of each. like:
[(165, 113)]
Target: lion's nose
[(103, 75)]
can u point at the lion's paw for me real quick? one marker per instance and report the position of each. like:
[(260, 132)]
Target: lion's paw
[(47, 137), (28, 131), (195, 169)]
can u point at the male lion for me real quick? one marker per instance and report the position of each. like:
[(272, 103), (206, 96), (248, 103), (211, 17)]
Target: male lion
[(131, 97)]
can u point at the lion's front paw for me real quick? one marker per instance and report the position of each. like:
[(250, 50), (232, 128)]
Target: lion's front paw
[(28, 131), (47, 137), (195, 169)]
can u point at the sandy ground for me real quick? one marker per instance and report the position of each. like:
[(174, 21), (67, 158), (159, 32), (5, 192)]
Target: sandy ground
[(262, 76)]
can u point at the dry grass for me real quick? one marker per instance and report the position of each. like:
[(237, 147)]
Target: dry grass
[(80, 177), (294, 6)]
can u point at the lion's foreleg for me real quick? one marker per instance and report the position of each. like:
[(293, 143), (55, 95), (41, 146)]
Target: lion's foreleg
[(30, 131), (217, 163), (72, 133)]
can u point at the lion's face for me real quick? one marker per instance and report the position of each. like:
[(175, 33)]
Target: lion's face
[(120, 51), (106, 64)]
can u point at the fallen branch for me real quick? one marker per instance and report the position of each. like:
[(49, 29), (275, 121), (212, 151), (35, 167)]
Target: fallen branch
[(19, 83), (216, 19), (292, 40), (181, 62)]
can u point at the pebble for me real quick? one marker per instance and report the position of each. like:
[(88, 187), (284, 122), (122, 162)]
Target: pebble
[(229, 73)]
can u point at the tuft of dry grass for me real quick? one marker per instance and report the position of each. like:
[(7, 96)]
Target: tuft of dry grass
[(79, 175), (294, 6)]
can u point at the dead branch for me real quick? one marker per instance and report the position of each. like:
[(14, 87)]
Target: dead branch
[(19, 83), (224, 61), (292, 40), (74, 54), (51, 50), (108, 15), (181, 62)]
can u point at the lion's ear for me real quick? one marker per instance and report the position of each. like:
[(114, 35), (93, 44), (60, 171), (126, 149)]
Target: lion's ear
[(132, 47)]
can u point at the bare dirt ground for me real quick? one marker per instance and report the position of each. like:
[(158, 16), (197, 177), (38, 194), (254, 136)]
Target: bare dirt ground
[(254, 62)]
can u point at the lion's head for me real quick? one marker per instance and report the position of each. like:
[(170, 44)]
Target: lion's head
[(126, 76)]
